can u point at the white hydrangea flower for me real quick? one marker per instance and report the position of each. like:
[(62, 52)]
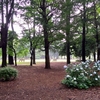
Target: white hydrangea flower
[(86, 66), (67, 76), (95, 64), (65, 66), (98, 76), (77, 69), (94, 72), (81, 68), (88, 61), (83, 62), (74, 78), (86, 72), (82, 74), (75, 82), (98, 61), (91, 74), (96, 79), (98, 69)]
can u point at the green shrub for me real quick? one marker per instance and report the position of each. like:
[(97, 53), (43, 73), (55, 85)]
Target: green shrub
[(83, 75), (8, 73)]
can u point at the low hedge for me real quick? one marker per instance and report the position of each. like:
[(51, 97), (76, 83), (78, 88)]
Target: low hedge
[(8, 73)]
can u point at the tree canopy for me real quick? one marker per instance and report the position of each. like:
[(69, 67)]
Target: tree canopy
[(66, 26)]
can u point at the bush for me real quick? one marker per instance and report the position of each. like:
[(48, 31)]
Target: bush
[(83, 75), (8, 73)]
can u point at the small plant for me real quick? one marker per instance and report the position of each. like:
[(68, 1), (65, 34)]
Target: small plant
[(8, 73), (83, 75)]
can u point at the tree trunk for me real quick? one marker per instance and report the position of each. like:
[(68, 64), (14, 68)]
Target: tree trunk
[(83, 44), (46, 45), (98, 52), (31, 60), (15, 58), (33, 56), (4, 56), (67, 20), (10, 60), (83, 35), (96, 30), (68, 52), (4, 31), (43, 6), (94, 56), (47, 59), (10, 51)]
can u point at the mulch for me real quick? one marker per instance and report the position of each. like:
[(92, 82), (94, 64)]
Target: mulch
[(37, 83)]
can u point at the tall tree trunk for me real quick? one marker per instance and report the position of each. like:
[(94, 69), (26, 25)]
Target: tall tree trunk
[(4, 28), (83, 34), (31, 52), (15, 57), (33, 56), (43, 6), (68, 31), (68, 52), (31, 60), (10, 60), (10, 49), (94, 56), (4, 31), (10, 44), (33, 49), (47, 62), (3, 36), (96, 30)]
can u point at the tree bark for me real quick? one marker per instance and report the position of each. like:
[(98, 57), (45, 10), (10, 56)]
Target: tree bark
[(10, 60), (15, 57), (10, 43), (96, 30), (47, 62), (4, 30), (31, 60), (68, 33), (33, 56), (83, 34), (10, 50), (68, 52), (94, 56), (45, 27)]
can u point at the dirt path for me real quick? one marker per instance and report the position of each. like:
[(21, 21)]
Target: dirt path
[(37, 83)]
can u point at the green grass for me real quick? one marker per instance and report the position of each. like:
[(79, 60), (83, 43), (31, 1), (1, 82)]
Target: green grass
[(28, 63), (23, 63)]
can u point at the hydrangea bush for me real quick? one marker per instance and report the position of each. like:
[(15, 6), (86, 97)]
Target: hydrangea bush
[(82, 75), (8, 73)]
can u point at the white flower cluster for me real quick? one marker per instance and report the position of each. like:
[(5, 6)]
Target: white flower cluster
[(83, 71), (65, 66)]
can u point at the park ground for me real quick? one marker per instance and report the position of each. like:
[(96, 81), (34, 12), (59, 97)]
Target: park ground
[(36, 83)]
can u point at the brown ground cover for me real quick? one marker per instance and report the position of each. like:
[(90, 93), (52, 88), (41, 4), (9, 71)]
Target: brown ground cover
[(37, 83)]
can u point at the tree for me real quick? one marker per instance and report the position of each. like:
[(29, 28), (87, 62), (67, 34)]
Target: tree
[(66, 11), (84, 30), (90, 45), (45, 19), (10, 46), (4, 27), (96, 30)]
